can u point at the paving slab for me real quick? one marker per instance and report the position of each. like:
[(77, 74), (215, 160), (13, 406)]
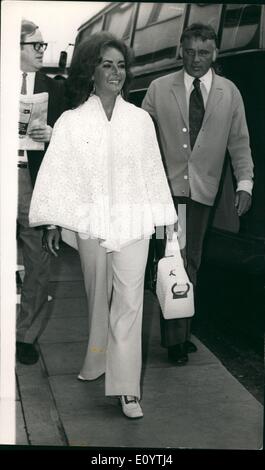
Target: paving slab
[(63, 358), (192, 407), (76, 396), (21, 435), (198, 406), (109, 431), (202, 407), (91, 419), (30, 371), (41, 417), (65, 329)]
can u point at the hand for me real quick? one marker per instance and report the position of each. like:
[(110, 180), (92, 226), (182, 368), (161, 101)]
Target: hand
[(50, 241), (40, 132), (170, 231), (242, 202)]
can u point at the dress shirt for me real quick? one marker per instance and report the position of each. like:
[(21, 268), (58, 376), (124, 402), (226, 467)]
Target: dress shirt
[(206, 83)]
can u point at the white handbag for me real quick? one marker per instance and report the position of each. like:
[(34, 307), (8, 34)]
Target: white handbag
[(173, 287)]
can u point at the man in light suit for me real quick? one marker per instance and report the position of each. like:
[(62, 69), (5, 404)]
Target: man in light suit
[(33, 314), (199, 116)]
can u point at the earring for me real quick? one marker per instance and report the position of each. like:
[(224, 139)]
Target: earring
[(93, 90)]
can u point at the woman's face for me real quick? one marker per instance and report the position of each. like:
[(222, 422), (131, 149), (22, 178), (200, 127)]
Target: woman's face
[(110, 74)]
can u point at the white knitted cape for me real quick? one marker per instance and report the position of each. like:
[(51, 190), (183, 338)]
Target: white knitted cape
[(104, 179)]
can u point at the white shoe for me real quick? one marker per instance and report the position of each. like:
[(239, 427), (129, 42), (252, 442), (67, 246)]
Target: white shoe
[(89, 379), (130, 407), (80, 377)]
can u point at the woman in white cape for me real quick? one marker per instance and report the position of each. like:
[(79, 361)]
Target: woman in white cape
[(103, 178)]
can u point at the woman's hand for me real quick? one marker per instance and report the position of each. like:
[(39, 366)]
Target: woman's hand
[(50, 241), (169, 231)]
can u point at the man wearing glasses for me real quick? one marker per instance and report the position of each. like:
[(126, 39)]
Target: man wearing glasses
[(33, 314)]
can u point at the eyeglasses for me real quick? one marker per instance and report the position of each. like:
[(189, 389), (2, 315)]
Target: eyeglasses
[(37, 45)]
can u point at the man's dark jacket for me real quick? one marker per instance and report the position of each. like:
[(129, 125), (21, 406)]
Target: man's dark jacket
[(56, 106)]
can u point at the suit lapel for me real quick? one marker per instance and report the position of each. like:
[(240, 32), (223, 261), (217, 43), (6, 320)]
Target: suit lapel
[(215, 95), (40, 83), (178, 90)]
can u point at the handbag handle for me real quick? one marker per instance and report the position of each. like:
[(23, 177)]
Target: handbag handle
[(173, 249)]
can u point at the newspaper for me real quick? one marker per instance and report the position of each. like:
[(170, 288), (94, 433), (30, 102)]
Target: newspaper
[(33, 111)]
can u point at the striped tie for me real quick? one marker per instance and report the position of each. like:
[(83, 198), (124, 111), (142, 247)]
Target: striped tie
[(24, 84)]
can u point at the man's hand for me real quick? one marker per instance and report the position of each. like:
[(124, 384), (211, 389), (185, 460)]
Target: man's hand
[(50, 241), (40, 132), (242, 202)]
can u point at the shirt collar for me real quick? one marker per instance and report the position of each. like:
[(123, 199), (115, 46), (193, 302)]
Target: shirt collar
[(205, 79), (29, 74)]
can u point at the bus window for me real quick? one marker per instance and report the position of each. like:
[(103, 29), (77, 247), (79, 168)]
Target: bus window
[(241, 27), (157, 31), (119, 21), (203, 13), (93, 28)]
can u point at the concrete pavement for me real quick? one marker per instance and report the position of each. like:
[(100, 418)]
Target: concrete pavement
[(199, 406)]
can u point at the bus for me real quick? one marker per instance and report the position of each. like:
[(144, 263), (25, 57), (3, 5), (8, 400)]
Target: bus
[(153, 31)]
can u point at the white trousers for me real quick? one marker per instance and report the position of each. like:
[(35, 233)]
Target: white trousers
[(114, 284)]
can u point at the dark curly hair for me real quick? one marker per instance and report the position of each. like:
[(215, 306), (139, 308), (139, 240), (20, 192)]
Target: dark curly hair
[(86, 57), (199, 30)]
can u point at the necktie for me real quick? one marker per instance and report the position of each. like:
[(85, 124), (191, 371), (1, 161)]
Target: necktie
[(196, 111), (24, 84)]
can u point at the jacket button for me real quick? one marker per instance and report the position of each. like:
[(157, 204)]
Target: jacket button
[(184, 129), (185, 146), (185, 177)]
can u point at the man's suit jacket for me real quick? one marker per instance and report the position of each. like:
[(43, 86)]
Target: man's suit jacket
[(196, 173), (56, 106)]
